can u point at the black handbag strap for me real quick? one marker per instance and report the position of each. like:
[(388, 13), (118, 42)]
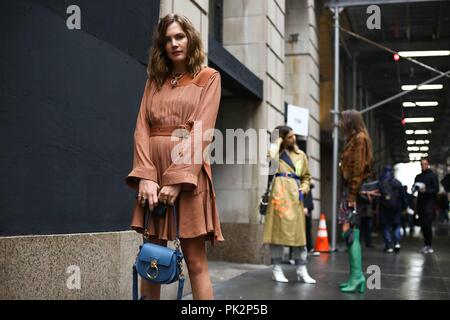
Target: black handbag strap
[(269, 182), (147, 213)]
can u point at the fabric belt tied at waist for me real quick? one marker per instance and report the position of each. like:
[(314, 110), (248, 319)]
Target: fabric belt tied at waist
[(180, 131), (289, 175)]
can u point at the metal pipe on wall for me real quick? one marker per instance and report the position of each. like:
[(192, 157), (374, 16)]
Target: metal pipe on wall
[(335, 127)]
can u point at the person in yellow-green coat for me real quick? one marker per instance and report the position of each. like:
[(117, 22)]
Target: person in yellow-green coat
[(285, 219)]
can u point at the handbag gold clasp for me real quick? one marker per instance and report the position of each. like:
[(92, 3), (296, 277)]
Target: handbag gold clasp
[(153, 266)]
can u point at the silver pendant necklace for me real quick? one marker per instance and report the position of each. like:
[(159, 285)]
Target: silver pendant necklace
[(175, 79)]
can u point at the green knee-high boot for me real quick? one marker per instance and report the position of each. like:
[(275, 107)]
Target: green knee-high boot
[(344, 284), (357, 281)]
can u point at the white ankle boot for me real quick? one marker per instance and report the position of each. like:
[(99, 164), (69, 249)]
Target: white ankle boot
[(302, 274), (278, 274)]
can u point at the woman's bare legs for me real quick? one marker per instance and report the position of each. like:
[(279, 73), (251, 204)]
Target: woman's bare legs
[(149, 290), (194, 251)]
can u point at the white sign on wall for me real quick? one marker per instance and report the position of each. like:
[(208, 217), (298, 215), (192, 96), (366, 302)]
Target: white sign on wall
[(298, 119)]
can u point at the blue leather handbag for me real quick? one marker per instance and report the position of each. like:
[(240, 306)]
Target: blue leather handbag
[(159, 264)]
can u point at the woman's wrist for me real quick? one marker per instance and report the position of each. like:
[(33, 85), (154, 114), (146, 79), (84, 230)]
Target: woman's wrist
[(148, 181)]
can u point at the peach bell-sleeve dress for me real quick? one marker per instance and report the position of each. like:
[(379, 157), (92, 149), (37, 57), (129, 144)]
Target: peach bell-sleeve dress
[(193, 102)]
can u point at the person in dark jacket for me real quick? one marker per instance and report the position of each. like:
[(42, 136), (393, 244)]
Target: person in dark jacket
[(428, 186), (392, 202), (442, 207), (308, 208), (408, 218), (368, 211)]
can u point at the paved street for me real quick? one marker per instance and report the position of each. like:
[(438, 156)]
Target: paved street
[(406, 275)]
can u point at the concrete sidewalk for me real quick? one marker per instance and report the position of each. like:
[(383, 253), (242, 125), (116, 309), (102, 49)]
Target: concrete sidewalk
[(408, 275)]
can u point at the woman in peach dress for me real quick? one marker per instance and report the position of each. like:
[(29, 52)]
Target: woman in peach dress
[(177, 114)]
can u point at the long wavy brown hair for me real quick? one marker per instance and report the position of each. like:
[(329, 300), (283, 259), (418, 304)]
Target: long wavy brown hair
[(159, 65), (283, 132), (352, 123)]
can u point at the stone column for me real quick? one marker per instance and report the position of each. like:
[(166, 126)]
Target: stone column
[(302, 78)]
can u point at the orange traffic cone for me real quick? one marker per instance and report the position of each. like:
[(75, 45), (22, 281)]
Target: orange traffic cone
[(322, 244)]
